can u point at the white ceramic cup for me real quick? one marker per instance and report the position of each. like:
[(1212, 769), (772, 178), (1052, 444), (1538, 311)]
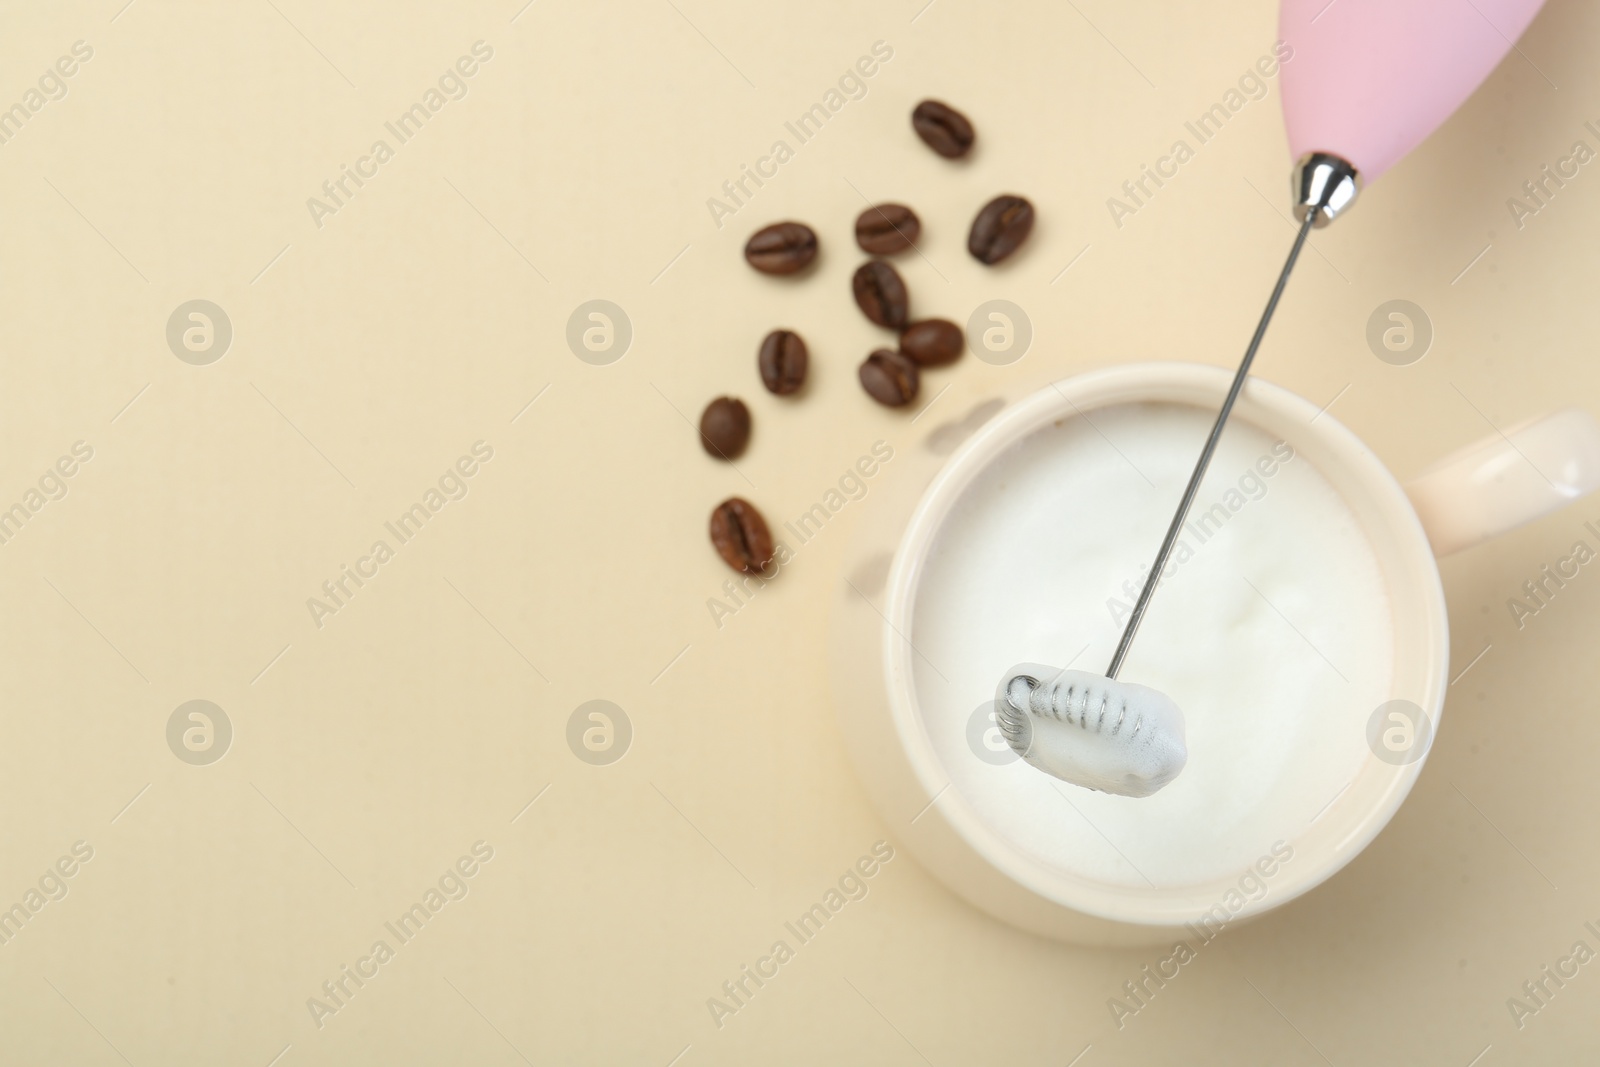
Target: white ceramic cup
[(1503, 481)]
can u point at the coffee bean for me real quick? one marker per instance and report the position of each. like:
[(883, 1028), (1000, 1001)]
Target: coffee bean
[(782, 248), (1002, 225), (889, 378), (932, 342), (943, 128), (881, 294), (725, 427), (783, 361), (887, 228), (740, 536)]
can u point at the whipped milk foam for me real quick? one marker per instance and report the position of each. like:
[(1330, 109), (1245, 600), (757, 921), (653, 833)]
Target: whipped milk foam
[(1271, 631)]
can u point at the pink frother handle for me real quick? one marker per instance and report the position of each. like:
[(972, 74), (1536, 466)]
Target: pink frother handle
[(1369, 79)]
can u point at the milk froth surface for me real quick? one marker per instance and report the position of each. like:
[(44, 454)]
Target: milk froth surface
[(1271, 631)]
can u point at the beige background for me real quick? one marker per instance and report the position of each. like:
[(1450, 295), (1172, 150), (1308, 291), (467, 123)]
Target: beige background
[(368, 354)]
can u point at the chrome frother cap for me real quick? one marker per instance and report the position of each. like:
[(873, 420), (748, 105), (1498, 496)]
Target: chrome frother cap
[(1323, 181)]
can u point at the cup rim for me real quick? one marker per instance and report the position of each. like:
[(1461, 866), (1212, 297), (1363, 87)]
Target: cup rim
[(1194, 385)]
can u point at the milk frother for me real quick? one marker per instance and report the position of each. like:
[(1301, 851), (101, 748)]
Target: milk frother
[(1367, 81)]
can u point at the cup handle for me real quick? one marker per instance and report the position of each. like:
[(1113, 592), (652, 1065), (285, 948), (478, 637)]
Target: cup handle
[(1508, 479)]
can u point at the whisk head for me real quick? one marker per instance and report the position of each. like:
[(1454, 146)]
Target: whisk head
[(1091, 730)]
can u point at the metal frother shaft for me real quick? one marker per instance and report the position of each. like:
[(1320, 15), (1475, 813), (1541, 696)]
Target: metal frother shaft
[(1324, 185)]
